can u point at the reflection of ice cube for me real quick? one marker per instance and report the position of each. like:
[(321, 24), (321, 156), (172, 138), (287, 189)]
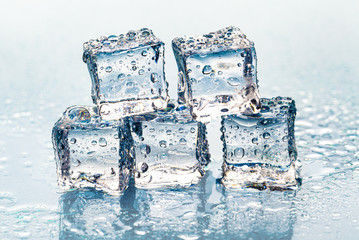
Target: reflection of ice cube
[(217, 73), (127, 73), (87, 151), (170, 148), (260, 215), (169, 214), (95, 215), (260, 149)]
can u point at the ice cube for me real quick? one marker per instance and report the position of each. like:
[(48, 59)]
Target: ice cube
[(127, 73), (170, 148), (260, 150), (217, 73), (87, 151)]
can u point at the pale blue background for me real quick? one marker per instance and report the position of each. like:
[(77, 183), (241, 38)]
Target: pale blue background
[(306, 49)]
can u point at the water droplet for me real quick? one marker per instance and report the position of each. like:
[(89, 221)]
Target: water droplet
[(145, 149), (130, 53), (141, 72), (80, 114), (91, 153), (239, 152), (192, 130), (144, 53), (255, 140), (207, 69), (285, 138), (121, 76), (180, 130), (266, 135), (198, 66), (129, 84), (182, 141), (73, 140), (154, 77), (144, 167), (151, 130), (94, 142), (168, 132), (108, 69), (163, 144), (257, 152), (133, 62), (113, 149), (220, 72), (77, 163), (233, 81), (102, 142), (239, 65)]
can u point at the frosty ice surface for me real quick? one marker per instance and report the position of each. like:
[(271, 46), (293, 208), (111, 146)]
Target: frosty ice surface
[(217, 73), (87, 151), (260, 150), (127, 73), (170, 148)]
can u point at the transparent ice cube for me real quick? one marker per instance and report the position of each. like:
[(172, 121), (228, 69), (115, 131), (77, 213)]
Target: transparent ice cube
[(260, 150), (170, 148), (87, 151), (127, 73), (217, 73)]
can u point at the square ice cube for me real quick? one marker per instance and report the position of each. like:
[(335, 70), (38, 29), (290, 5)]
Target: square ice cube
[(259, 150), (127, 73), (170, 148), (217, 73), (87, 151)]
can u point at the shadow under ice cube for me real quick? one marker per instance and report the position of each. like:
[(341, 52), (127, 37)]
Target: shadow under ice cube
[(127, 73), (259, 150), (170, 148), (87, 151), (217, 73)]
